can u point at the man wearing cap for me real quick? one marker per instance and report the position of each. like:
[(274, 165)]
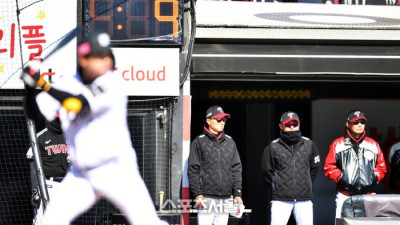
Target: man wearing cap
[(214, 170), (290, 165), (93, 113), (392, 178), (354, 162), (54, 154), (53, 150)]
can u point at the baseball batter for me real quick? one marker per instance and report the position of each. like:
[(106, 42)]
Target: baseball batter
[(93, 117)]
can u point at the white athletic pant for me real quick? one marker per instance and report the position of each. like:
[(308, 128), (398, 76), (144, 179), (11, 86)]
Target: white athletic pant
[(214, 214), (51, 188), (118, 181), (281, 211), (340, 198)]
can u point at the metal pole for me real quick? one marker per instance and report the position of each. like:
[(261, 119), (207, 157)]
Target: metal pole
[(30, 124)]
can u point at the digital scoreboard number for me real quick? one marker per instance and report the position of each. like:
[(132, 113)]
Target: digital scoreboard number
[(143, 21)]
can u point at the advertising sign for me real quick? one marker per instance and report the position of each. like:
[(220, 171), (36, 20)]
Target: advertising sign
[(148, 71), (33, 33)]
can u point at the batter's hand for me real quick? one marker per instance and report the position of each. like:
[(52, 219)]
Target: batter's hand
[(31, 76), (77, 106), (199, 201)]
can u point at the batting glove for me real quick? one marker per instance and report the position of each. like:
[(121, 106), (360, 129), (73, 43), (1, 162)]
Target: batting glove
[(31, 76)]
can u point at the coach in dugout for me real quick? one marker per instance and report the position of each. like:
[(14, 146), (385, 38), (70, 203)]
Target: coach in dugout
[(290, 165), (214, 170), (354, 162)]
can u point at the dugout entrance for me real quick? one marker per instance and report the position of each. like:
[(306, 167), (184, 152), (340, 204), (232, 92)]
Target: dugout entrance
[(254, 123), (281, 57), (257, 80)]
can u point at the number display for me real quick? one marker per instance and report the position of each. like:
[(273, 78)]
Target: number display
[(145, 21)]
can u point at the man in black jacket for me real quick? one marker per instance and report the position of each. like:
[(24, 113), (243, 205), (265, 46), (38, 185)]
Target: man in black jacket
[(54, 153), (214, 170), (290, 164)]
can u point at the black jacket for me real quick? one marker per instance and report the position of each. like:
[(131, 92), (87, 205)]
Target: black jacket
[(291, 169), (52, 144), (54, 151), (214, 168)]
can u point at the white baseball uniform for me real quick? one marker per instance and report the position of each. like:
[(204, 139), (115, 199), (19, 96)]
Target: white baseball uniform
[(52, 187), (103, 161)]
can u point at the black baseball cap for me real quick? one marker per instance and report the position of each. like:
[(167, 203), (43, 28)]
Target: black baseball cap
[(94, 43), (289, 116), (355, 115), (216, 112)]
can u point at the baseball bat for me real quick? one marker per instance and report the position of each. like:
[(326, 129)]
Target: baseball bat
[(34, 65), (66, 39), (161, 200)]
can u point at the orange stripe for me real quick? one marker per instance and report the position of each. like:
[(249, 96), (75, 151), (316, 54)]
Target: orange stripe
[(186, 118)]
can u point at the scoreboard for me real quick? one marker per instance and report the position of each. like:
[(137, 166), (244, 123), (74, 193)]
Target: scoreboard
[(133, 21), (147, 36)]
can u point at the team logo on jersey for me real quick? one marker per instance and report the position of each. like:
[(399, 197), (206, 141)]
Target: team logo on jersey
[(57, 149), (316, 159)]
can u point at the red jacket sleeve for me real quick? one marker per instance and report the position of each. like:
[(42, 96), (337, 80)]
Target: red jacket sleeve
[(380, 168), (330, 168)]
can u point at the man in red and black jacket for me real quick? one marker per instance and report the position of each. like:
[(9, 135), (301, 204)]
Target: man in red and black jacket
[(354, 162)]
